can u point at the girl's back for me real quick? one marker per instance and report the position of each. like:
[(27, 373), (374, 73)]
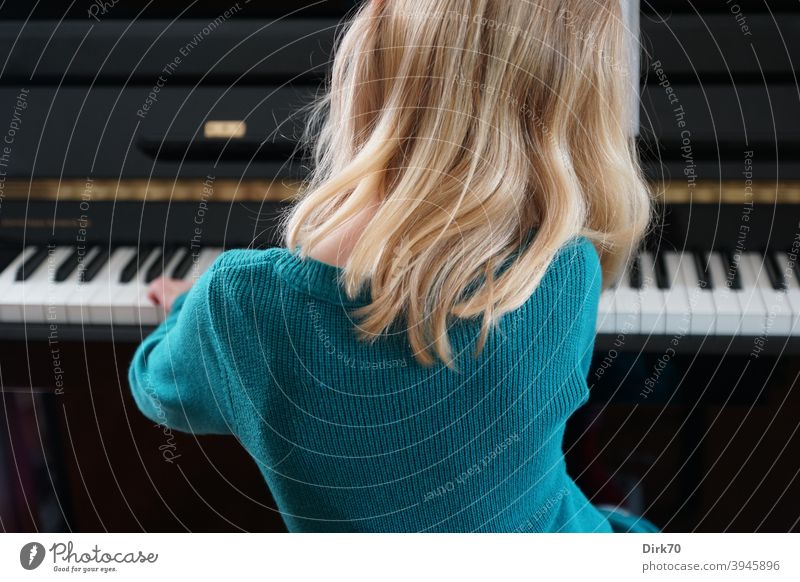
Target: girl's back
[(353, 436)]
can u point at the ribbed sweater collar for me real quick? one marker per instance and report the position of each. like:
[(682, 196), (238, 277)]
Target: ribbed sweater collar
[(320, 280), (323, 281)]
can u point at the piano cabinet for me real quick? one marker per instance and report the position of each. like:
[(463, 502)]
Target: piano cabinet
[(105, 467), (108, 468)]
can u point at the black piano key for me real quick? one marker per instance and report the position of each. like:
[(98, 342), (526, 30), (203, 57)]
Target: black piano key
[(183, 266), (7, 257), (732, 268), (133, 266), (94, 266), (162, 261), (660, 269), (66, 268), (635, 275), (774, 272), (31, 263), (702, 267)]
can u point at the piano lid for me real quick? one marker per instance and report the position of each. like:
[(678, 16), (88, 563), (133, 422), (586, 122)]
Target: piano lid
[(106, 97), (98, 10)]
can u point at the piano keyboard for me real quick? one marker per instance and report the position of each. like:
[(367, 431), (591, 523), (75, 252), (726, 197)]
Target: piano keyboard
[(702, 294), (58, 285), (667, 294)]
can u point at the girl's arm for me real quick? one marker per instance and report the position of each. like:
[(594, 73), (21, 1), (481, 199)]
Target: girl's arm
[(178, 375)]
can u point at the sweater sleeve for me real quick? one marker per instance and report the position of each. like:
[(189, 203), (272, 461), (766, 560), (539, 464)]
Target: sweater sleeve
[(178, 375)]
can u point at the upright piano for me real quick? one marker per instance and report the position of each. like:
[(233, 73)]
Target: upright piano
[(141, 145), (140, 140)]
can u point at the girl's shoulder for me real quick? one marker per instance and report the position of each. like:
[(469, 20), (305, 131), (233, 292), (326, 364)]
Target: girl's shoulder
[(247, 272), (244, 270), (570, 288), (248, 259), (577, 254), (577, 262)]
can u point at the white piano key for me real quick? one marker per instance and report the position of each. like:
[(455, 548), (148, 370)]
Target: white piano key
[(727, 301), (130, 305), (10, 311), (106, 285), (778, 320), (41, 295), (754, 308), (606, 317), (701, 300), (76, 292), (792, 291), (653, 301), (628, 306), (678, 309)]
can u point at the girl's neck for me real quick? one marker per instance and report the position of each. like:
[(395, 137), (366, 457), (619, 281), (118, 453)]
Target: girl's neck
[(337, 248)]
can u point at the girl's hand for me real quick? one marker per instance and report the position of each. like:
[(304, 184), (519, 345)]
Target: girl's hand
[(163, 291)]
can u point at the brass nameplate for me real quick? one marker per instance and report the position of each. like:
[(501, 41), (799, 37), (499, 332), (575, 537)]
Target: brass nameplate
[(224, 129)]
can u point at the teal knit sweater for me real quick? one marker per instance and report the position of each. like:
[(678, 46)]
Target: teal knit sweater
[(353, 436)]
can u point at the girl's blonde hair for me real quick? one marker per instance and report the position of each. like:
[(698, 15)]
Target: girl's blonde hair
[(472, 122)]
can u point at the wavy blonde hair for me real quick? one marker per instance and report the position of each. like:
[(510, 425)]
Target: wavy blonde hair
[(471, 122)]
